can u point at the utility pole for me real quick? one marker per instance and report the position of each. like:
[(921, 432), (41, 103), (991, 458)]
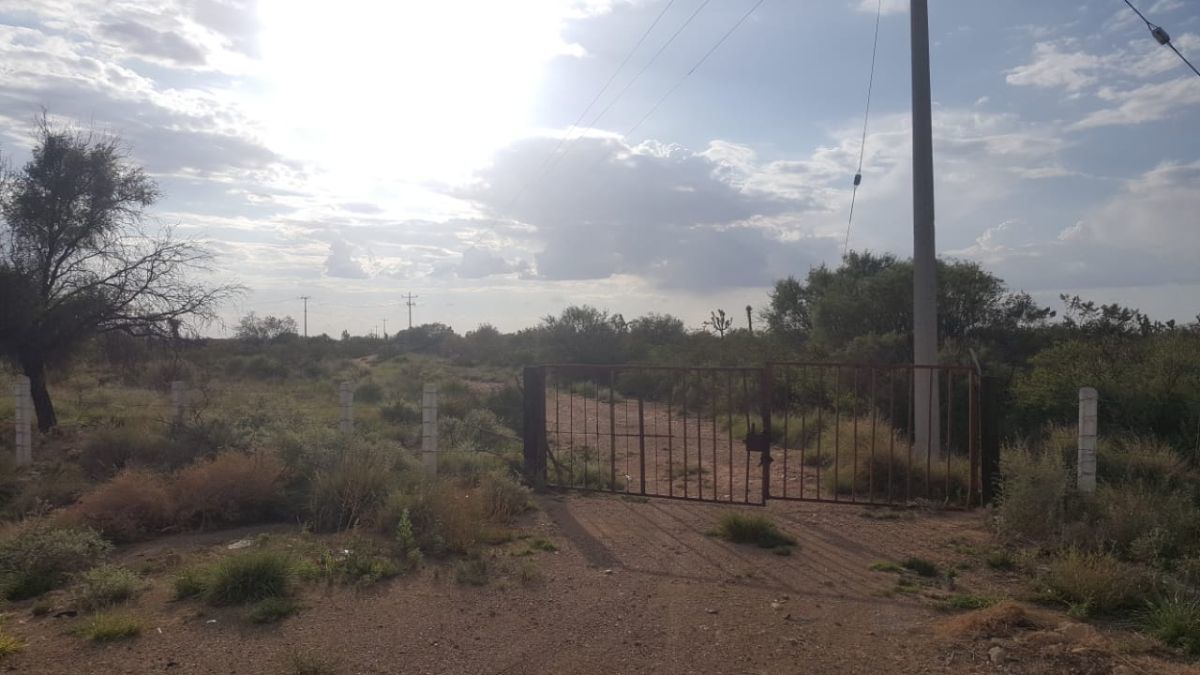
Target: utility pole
[(409, 301), (384, 328), (925, 349), (305, 298)]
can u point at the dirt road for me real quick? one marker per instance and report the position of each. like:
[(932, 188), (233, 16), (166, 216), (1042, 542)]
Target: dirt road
[(634, 587)]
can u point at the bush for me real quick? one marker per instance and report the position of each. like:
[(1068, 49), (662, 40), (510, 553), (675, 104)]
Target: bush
[(401, 413), (111, 450), (1150, 525), (247, 577), (1094, 583), (110, 627), (368, 392), (503, 497), (445, 518), (131, 506), (755, 529), (232, 488), (1176, 621), (921, 567), (1033, 496), (52, 486), (341, 496), (358, 563), (39, 558), (272, 610), (473, 572), (107, 585), (10, 645)]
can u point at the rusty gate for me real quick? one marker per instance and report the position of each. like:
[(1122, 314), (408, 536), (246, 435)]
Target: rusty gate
[(828, 432)]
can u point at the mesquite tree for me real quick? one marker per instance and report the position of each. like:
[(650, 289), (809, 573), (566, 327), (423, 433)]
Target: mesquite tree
[(76, 260)]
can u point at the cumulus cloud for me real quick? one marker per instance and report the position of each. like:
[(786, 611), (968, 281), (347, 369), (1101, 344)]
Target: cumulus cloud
[(158, 44), (343, 261)]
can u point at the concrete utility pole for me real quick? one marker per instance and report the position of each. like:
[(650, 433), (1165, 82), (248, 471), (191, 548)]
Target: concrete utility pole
[(305, 299), (925, 349), (384, 328), (409, 301)]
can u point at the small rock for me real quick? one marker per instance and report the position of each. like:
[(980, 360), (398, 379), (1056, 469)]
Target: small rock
[(67, 613), (997, 654), (240, 543), (776, 605), (211, 621), (710, 610), (608, 571)]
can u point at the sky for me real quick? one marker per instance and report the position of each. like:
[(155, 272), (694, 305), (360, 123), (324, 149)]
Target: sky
[(358, 151)]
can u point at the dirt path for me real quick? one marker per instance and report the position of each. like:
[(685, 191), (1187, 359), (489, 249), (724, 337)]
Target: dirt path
[(635, 587)]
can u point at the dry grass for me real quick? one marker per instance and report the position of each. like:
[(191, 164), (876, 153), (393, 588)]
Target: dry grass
[(1093, 584), (133, 505), (231, 488), (109, 627), (1004, 619)]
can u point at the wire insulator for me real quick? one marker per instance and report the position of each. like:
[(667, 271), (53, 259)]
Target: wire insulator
[(857, 179), (1161, 35)]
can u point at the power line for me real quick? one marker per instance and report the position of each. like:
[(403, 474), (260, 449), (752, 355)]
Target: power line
[(1161, 36), (862, 148), (550, 159), (595, 120), (696, 67)]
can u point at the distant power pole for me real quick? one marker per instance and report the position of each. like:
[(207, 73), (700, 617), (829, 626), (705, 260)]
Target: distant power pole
[(409, 301), (384, 328), (305, 298)]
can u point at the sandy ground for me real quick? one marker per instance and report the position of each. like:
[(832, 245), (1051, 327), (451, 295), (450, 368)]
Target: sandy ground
[(635, 587)]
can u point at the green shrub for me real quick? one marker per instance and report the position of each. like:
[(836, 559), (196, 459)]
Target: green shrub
[(271, 610), (445, 518), (38, 558), (107, 585), (344, 494), (1151, 525), (10, 645), (503, 497), (248, 577), (308, 663), (359, 563), (1094, 583), (401, 413), (110, 450), (1000, 559), (109, 627), (921, 567), (191, 583), (51, 486), (368, 392), (966, 601), (473, 572), (1033, 496), (757, 529), (1176, 621)]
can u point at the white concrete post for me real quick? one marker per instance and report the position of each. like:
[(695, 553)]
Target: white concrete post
[(346, 401), (429, 429), (23, 421), (1088, 431), (178, 401)]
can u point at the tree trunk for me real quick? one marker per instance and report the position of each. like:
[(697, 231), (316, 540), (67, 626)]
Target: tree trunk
[(35, 370)]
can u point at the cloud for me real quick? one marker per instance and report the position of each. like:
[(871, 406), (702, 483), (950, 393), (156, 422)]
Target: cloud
[(343, 263), (1051, 67), (884, 6), (1139, 237), (158, 44), (1148, 103), (479, 263)]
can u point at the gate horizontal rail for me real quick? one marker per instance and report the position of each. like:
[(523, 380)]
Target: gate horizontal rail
[(806, 431)]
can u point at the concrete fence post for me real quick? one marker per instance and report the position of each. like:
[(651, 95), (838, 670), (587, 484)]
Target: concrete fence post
[(346, 401), (429, 429), (1088, 431), (23, 421), (179, 401)]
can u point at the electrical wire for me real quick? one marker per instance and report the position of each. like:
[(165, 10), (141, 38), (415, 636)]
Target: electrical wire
[(862, 147), (1161, 36), (694, 68), (555, 157)]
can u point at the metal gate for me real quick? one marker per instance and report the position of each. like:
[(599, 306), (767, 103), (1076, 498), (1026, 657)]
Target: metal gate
[(795, 431)]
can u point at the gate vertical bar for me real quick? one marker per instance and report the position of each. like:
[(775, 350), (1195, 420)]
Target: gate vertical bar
[(535, 426), (766, 375), (642, 441), (612, 428)]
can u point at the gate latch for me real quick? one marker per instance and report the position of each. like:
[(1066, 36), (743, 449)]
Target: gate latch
[(757, 441)]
